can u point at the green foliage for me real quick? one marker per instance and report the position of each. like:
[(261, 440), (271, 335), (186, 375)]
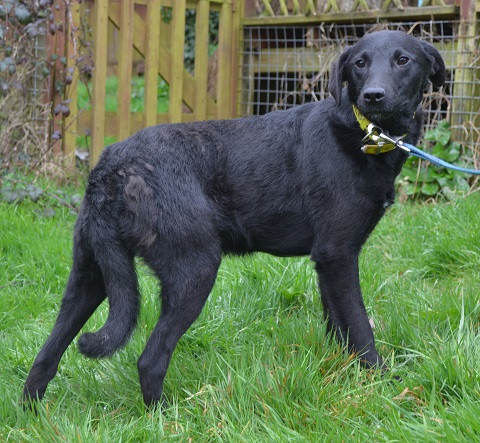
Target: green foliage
[(256, 366), (21, 23), (420, 179), (14, 191), (26, 111)]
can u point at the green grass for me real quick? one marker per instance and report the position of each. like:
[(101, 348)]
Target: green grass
[(137, 102), (256, 366)]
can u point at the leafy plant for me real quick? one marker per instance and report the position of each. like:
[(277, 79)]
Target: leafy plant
[(419, 179), (33, 81), (14, 191)]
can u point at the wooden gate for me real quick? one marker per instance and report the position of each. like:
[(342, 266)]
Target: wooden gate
[(143, 33), (141, 30)]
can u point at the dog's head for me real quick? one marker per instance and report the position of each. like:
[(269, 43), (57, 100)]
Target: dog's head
[(386, 73)]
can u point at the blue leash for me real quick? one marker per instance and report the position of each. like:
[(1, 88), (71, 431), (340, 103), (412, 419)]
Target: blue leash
[(412, 150), (385, 143)]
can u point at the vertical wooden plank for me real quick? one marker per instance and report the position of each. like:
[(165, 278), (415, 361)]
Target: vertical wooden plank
[(464, 81), (100, 12), (151, 61), (238, 50), (56, 45), (224, 104), (70, 122), (124, 74), (201, 59), (178, 44)]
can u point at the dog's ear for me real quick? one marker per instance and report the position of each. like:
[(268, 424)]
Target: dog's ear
[(437, 73), (337, 76)]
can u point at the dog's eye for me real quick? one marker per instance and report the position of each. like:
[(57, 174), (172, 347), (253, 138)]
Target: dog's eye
[(402, 60), (360, 63)]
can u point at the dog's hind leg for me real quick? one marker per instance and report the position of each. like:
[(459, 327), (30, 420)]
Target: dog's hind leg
[(84, 293), (186, 285)]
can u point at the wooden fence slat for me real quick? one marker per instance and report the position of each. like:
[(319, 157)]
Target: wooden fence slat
[(152, 57), (70, 122), (224, 105), (268, 7), (283, 7), (201, 59), (100, 11), (176, 66), (124, 72)]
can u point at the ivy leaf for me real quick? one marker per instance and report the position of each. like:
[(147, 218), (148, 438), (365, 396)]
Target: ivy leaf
[(430, 189), (23, 14), (76, 200), (10, 196), (444, 182), (453, 152), (411, 189), (440, 134), (461, 184), (34, 193), (65, 110)]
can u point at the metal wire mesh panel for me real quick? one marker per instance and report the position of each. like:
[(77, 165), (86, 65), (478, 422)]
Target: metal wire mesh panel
[(286, 66)]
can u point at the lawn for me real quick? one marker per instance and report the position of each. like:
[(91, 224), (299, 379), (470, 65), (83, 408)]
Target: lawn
[(256, 366)]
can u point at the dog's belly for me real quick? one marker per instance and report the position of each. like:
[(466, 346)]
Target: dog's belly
[(284, 235)]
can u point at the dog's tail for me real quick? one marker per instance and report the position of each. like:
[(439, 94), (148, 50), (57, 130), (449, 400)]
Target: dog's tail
[(120, 284)]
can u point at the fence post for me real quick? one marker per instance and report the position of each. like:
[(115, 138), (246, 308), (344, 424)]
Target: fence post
[(224, 62), (152, 57), (177, 65), (464, 82), (56, 45), (100, 12), (70, 122), (201, 59), (237, 60), (124, 72)]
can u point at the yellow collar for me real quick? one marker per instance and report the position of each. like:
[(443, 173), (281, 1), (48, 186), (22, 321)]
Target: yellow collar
[(378, 146)]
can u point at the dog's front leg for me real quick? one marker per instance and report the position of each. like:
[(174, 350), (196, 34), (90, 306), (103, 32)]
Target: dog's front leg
[(343, 304)]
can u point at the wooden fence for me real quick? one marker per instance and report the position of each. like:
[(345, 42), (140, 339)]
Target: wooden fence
[(142, 33)]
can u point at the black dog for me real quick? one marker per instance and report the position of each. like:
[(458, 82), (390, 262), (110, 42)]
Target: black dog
[(289, 183)]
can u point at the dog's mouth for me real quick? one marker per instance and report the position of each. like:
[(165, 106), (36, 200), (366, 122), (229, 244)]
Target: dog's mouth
[(376, 116)]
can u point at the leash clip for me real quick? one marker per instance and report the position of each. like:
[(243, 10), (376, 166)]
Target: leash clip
[(375, 134)]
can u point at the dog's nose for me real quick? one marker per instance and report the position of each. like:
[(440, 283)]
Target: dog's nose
[(373, 95)]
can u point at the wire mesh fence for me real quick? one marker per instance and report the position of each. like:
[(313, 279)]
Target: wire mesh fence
[(289, 65)]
